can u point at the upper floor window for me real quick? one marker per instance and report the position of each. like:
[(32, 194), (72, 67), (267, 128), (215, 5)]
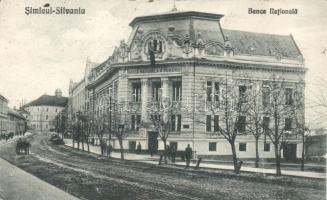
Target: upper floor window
[(241, 124), (176, 122), (136, 92), (209, 90), (266, 123), (288, 96), (265, 96), (177, 90), (156, 86), (216, 91), (288, 124), (242, 93), (136, 121)]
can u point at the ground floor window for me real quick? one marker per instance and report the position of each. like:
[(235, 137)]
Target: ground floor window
[(242, 146), (266, 147), (212, 146)]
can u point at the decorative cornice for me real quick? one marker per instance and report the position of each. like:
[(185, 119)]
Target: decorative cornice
[(197, 61)]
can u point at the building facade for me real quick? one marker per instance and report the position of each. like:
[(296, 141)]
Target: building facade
[(188, 57), (3, 115), (16, 123), (43, 111)]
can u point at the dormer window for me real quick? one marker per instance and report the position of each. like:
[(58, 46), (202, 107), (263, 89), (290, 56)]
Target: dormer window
[(155, 45)]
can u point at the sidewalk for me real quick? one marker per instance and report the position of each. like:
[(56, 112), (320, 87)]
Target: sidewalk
[(16, 184), (15, 138), (155, 159)]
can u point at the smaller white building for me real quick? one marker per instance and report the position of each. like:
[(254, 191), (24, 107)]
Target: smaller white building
[(43, 110)]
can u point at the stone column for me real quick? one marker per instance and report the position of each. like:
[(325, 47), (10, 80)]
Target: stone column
[(165, 95), (144, 93)]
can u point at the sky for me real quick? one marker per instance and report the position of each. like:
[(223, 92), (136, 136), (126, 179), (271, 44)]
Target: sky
[(39, 53)]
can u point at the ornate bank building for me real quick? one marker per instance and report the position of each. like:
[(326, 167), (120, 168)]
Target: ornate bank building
[(187, 57)]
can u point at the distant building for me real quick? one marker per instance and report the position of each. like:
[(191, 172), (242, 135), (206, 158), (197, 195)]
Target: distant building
[(3, 114), (43, 110), (16, 122), (78, 95)]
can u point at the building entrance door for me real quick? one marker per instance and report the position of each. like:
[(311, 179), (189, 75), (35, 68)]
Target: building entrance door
[(152, 142), (289, 152), (132, 146)]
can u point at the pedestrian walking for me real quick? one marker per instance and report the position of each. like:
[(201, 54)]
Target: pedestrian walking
[(139, 148), (109, 150), (173, 153), (188, 155)]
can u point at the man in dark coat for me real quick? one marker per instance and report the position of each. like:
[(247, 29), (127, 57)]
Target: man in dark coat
[(188, 155)]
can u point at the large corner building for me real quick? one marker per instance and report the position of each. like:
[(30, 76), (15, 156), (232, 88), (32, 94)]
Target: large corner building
[(179, 54)]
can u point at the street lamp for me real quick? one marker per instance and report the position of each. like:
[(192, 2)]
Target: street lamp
[(195, 47)]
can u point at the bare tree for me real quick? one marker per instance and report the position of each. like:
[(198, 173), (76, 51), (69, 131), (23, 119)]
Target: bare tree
[(279, 109), (230, 107), (255, 107), (161, 116), (119, 125)]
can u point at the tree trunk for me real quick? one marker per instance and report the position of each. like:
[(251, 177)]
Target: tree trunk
[(256, 152), (236, 170), (277, 159), (121, 149), (88, 146), (303, 150), (78, 143), (83, 145), (73, 142), (165, 150)]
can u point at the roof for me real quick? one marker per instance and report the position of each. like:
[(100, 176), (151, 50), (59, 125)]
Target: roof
[(174, 15), (262, 44), (3, 98), (47, 100), (15, 113)]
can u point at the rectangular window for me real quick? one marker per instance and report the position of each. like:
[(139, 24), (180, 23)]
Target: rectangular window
[(209, 90), (266, 123), (241, 124), (46, 117), (242, 146), (179, 122), (136, 92), (212, 146), (47, 109), (266, 147), (135, 122), (288, 96), (216, 93), (138, 122), (156, 91), (242, 93), (186, 126), (288, 124), (208, 123), (155, 117), (265, 96), (216, 123), (177, 90), (173, 123)]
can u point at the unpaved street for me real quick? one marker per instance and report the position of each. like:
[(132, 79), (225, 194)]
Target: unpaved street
[(89, 177)]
